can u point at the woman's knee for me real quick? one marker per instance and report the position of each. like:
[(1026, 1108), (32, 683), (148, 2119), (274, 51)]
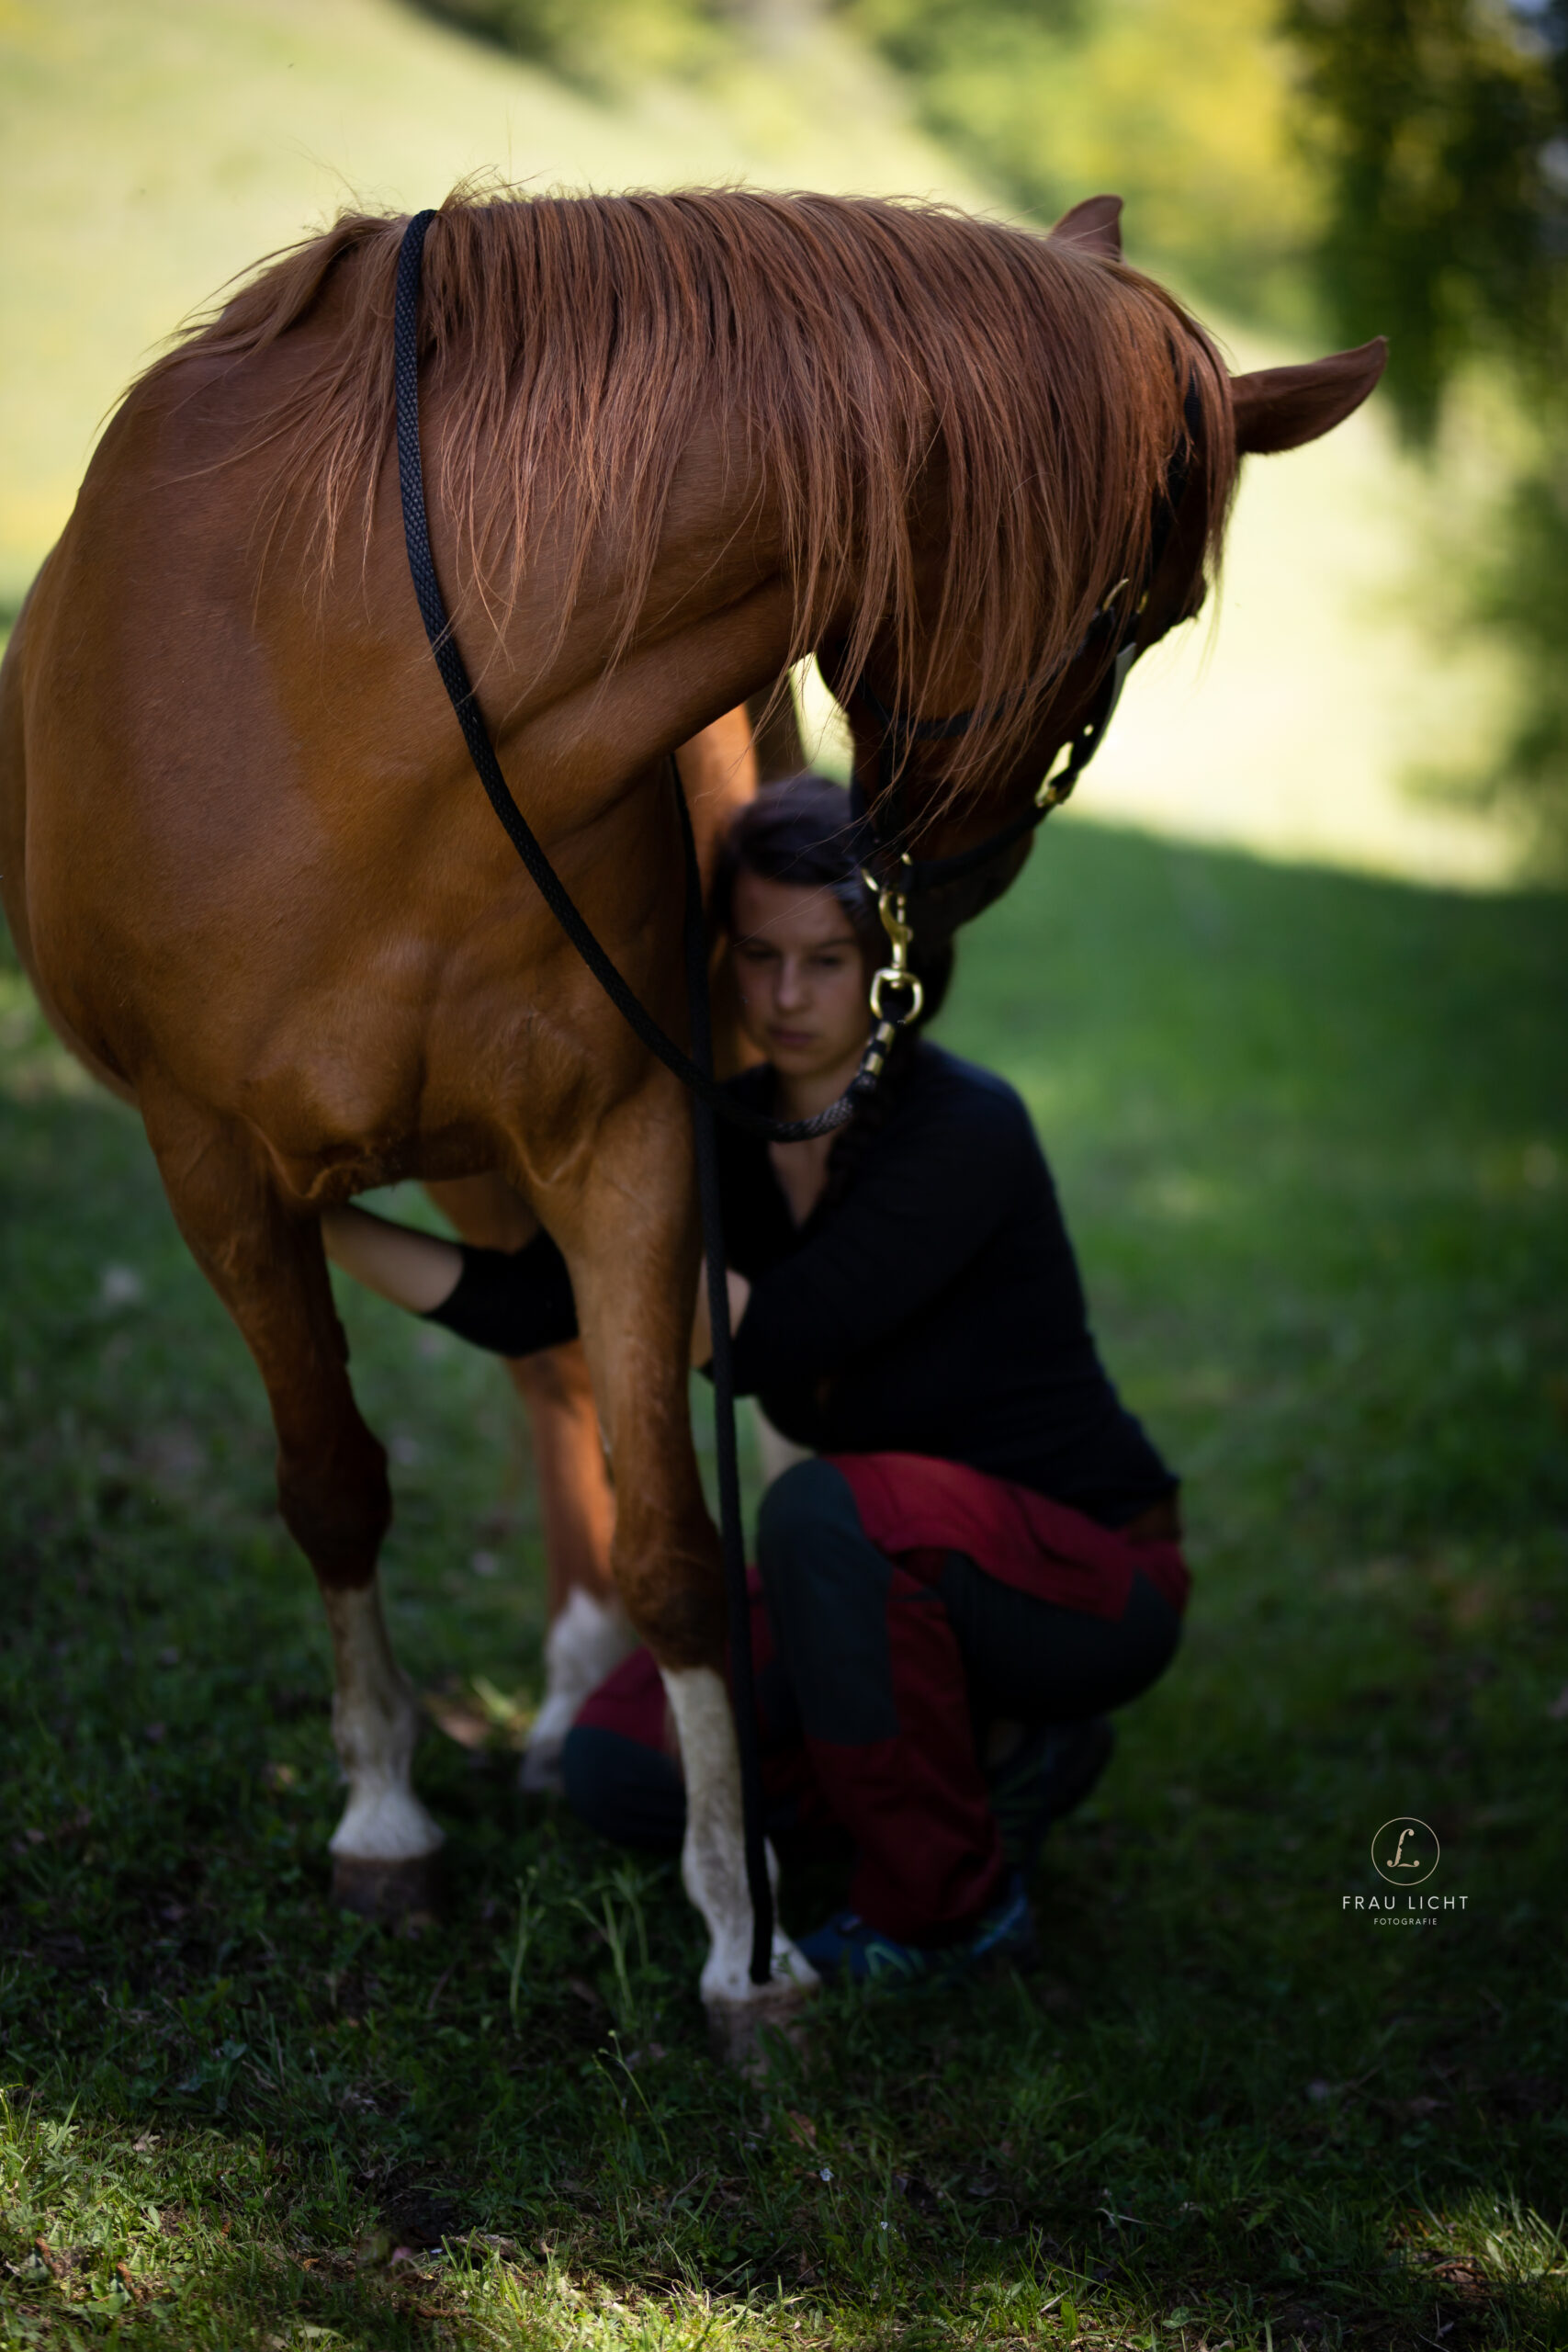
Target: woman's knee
[(807, 1528), (797, 1506), (827, 1586)]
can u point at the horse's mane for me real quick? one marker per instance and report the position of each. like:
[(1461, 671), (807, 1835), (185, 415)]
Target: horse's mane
[(576, 344)]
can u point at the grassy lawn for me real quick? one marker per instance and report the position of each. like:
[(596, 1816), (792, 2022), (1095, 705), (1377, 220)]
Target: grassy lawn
[(1313, 1137)]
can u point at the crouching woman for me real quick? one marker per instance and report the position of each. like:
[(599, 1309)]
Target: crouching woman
[(980, 1558)]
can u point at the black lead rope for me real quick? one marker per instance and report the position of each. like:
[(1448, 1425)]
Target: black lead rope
[(706, 1096), (742, 1678)]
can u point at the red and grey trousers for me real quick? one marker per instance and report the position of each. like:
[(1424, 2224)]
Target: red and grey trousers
[(880, 1662)]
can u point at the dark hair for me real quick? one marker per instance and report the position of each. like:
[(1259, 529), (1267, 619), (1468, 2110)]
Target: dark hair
[(800, 830)]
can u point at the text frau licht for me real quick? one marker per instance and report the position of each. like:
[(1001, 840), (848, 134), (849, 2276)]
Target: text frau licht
[(1411, 1902)]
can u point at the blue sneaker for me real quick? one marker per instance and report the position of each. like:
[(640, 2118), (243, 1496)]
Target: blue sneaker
[(847, 1946), (1049, 1773)]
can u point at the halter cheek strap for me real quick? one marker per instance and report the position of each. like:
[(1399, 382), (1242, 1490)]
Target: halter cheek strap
[(890, 870)]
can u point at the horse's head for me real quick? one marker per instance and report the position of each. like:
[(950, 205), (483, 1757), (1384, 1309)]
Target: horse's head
[(948, 846)]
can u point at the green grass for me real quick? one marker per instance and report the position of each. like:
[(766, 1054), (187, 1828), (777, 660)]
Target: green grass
[(1312, 1136)]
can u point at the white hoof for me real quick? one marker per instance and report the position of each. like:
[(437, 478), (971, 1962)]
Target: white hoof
[(713, 1867), (374, 1726), (384, 1822), (727, 1974)]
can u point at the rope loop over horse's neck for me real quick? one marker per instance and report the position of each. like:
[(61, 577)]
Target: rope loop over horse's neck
[(707, 1097)]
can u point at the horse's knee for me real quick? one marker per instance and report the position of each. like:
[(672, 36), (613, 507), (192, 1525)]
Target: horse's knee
[(337, 1505), (676, 1603)]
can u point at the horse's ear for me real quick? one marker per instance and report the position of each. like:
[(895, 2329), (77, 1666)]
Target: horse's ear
[(1281, 408), (1096, 222)]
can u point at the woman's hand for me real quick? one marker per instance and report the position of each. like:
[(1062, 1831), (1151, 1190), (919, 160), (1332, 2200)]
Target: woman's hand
[(701, 1328), (412, 1269)]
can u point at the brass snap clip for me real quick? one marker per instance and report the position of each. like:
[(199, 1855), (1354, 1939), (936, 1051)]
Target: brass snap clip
[(893, 908)]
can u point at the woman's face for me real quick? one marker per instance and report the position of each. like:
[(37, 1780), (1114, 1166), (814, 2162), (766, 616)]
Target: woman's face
[(802, 975)]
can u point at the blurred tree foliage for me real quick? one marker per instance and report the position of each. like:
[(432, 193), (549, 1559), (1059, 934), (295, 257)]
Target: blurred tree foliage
[(1185, 108), (602, 46), (1441, 136), (1440, 130), (1521, 590), (1401, 164)]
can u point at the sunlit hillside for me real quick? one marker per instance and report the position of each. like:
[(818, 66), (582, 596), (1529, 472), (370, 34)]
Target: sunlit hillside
[(150, 149)]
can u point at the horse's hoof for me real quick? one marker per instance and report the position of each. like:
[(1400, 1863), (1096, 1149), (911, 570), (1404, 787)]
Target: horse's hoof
[(739, 2031), (404, 1892), (539, 1774)]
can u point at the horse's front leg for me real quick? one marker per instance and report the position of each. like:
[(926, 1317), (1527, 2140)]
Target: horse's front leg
[(588, 1634), (267, 1266), (632, 1245)]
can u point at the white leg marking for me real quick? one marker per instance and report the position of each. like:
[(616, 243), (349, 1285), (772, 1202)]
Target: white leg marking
[(375, 1725), (588, 1640), (712, 1865)]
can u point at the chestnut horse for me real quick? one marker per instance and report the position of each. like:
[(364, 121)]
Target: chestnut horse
[(588, 1629), (673, 444)]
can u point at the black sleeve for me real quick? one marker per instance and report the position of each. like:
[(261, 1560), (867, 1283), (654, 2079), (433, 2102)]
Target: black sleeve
[(511, 1301), (944, 1177)]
